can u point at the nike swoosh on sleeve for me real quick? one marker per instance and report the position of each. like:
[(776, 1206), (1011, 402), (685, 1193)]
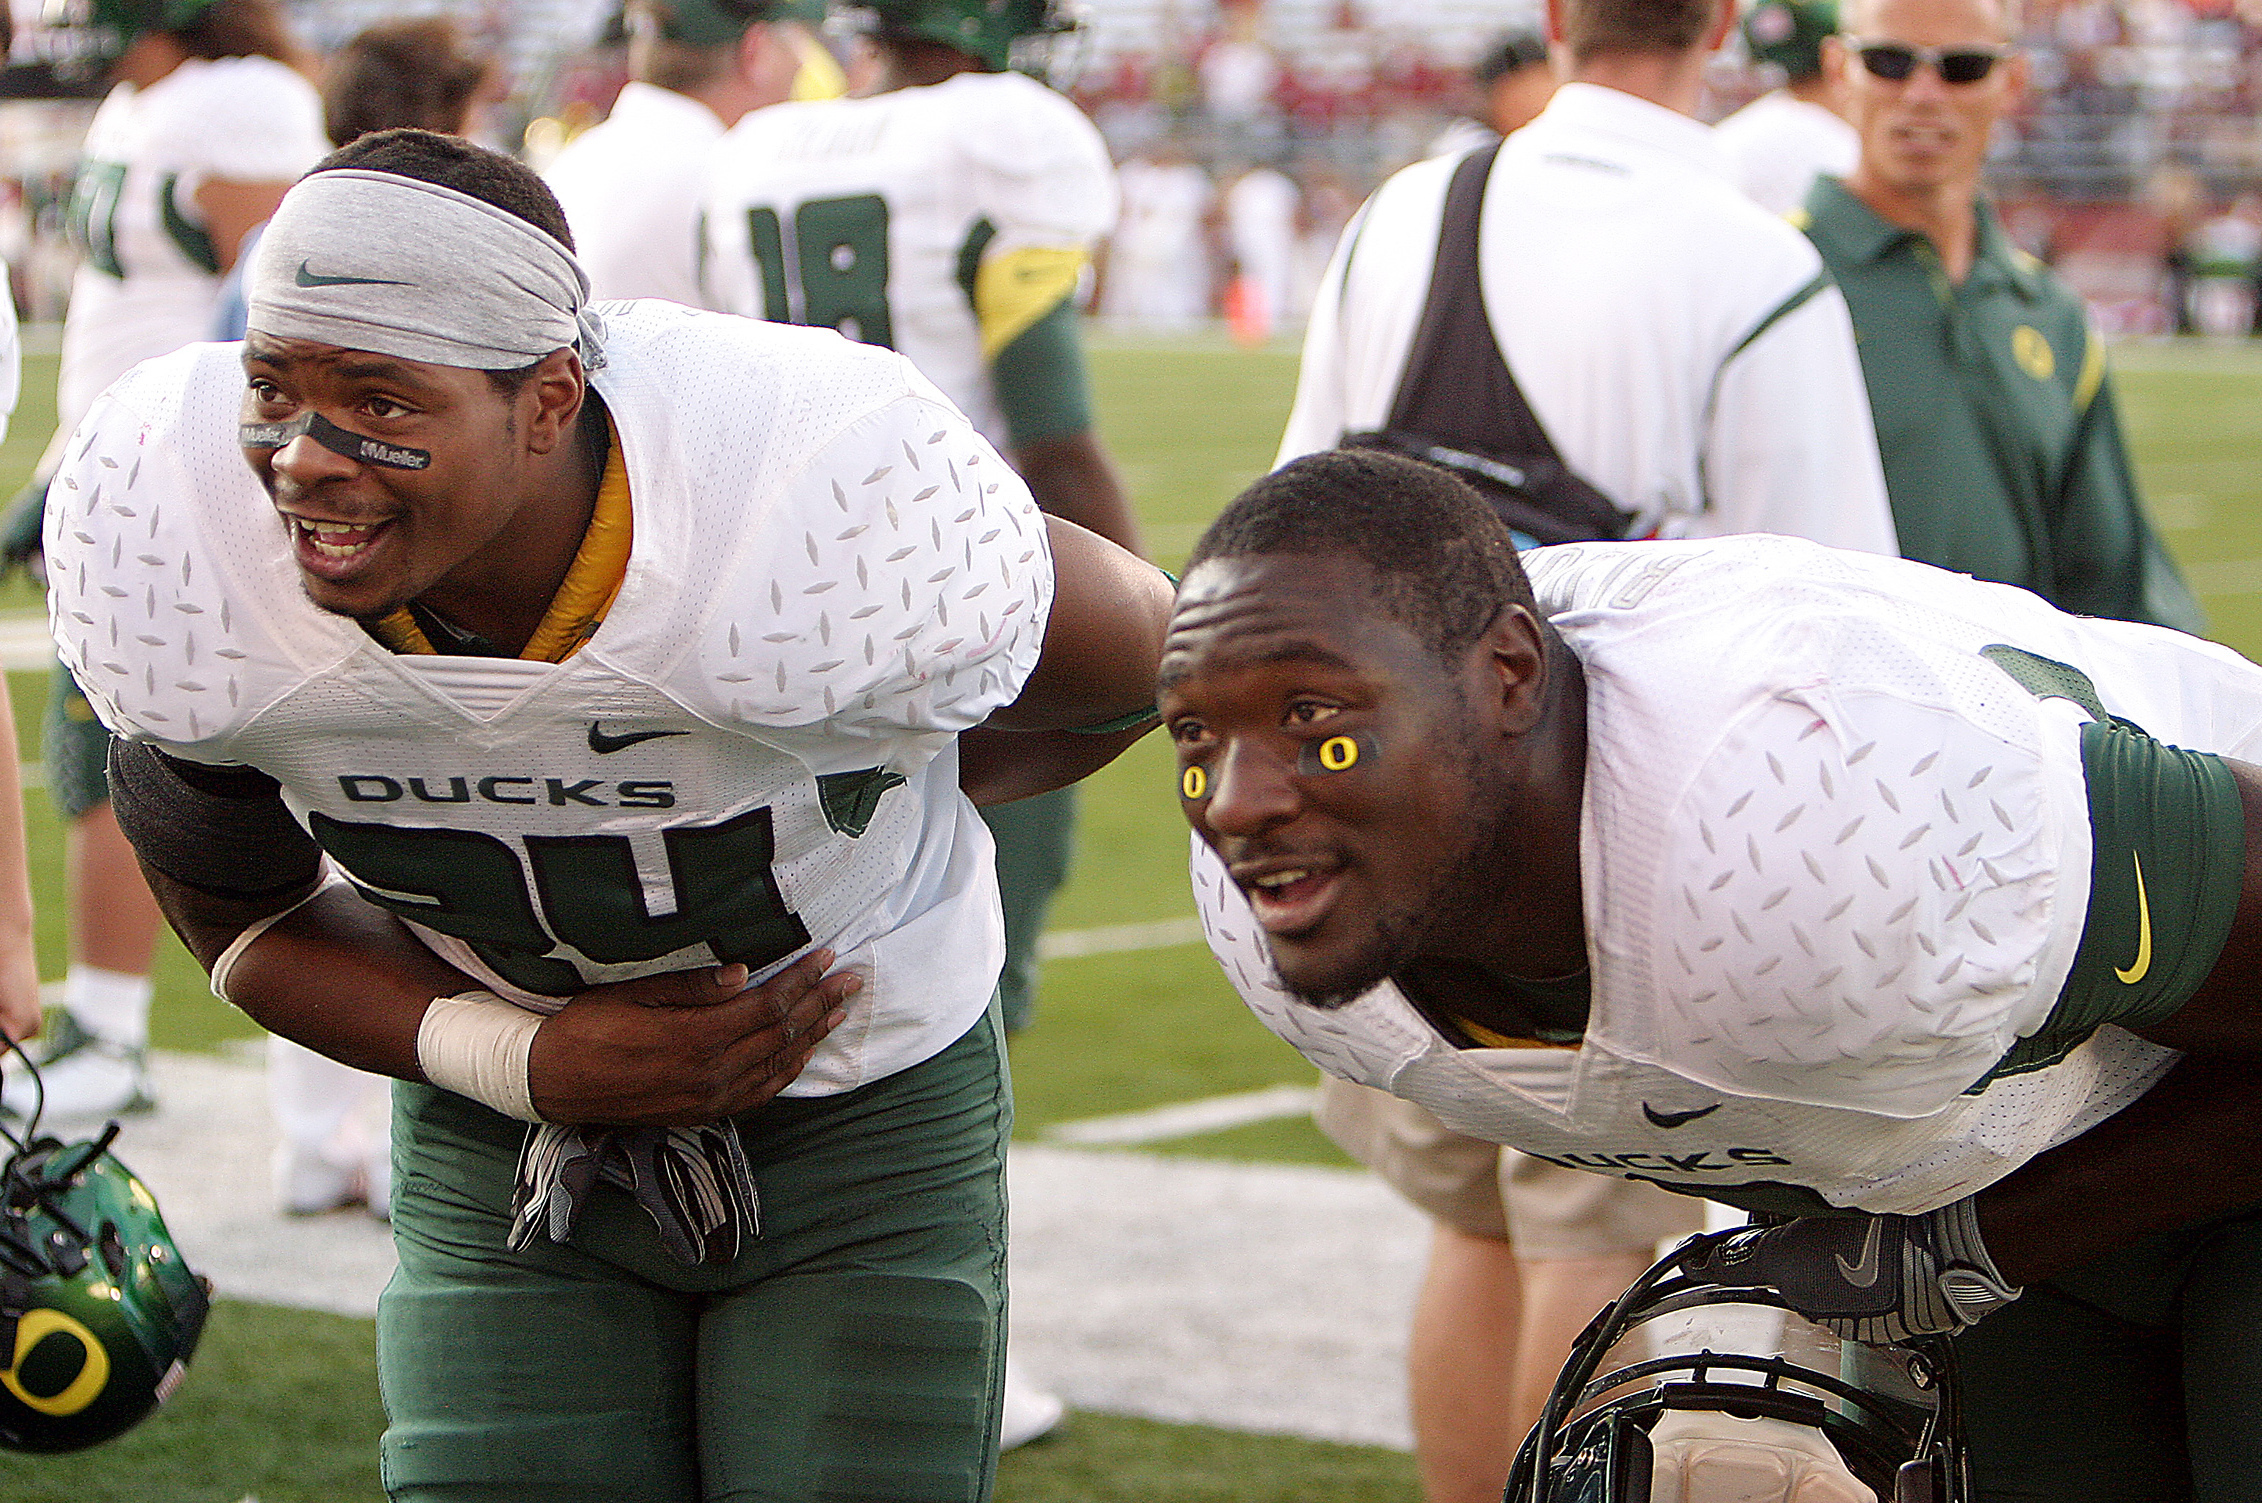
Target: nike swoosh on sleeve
[(2143, 961)]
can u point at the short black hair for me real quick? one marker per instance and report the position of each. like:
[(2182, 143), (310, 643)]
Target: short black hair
[(1444, 563), (418, 72), (453, 162), (1511, 52)]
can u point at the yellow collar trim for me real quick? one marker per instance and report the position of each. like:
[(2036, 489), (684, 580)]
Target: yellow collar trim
[(592, 583), (1491, 1039)]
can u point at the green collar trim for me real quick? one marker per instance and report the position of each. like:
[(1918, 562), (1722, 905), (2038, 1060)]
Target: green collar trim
[(1859, 234)]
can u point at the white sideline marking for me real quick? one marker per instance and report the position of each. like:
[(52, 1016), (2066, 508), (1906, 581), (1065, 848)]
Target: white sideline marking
[(24, 642), (1111, 939), (1185, 1119)]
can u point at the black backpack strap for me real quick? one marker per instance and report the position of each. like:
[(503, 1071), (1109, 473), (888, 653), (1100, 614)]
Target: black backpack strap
[(1458, 405)]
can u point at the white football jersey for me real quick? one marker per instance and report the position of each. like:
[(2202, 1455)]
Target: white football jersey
[(831, 576), (873, 215), (1835, 865), (1777, 145), (630, 190), (149, 277)]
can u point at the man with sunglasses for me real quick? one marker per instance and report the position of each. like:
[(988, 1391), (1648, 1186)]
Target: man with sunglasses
[(1995, 416)]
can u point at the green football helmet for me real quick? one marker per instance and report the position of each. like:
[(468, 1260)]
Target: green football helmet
[(1029, 36), (99, 1313), (80, 39), (1789, 33)]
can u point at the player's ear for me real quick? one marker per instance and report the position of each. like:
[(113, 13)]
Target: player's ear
[(555, 392), (1512, 659)]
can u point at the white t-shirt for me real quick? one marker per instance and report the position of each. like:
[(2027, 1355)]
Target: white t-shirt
[(1834, 863), (873, 215), (755, 755), (1260, 225), (1158, 265), (148, 280), (630, 189), (1777, 145), (1683, 348)]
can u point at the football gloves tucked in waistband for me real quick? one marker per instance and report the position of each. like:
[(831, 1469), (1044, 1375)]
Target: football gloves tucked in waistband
[(1876, 1279)]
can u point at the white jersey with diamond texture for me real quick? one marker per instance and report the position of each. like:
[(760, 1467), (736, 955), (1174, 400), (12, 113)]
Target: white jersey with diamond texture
[(832, 575), (139, 292), (1835, 862), (877, 206)]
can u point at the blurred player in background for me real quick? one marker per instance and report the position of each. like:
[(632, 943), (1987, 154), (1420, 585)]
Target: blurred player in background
[(1512, 83), (1597, 299), (210, 121), (1155, 271), (949, 216), (1259, 209), (420, 73), (19, 960), (1780, 142), (1995, 412), (631, 186)]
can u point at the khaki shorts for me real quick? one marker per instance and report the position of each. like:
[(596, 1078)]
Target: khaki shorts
[(1489, 1191)]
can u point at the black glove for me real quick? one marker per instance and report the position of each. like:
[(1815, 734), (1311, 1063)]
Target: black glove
[(1877, 1279)]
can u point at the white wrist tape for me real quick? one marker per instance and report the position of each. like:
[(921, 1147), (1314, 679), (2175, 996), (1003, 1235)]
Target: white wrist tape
[(226, 964), (477, 1045)]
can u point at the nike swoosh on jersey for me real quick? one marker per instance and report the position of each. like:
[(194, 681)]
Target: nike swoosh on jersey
[(1864, 1273), (307, 278), (1676, 1119), (604, 745), (2143, 962)]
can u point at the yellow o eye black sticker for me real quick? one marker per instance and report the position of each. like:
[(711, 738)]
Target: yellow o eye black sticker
[(1335, 754), (1194, 783)]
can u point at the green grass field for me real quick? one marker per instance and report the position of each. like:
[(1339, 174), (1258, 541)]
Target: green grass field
[(282, 1405)]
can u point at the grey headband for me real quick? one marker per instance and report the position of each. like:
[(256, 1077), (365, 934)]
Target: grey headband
[(375, 261)]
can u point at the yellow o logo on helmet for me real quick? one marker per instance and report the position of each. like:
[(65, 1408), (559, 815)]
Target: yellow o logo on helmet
[(94, 1371), (1194, 783), (1339, 753)]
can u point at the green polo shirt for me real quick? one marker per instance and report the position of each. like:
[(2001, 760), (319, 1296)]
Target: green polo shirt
[(1995, 417)]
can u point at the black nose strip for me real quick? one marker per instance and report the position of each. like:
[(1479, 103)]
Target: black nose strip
[(334, 438)]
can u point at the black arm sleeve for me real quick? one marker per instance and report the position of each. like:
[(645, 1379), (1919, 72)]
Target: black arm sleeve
[(222, 830)]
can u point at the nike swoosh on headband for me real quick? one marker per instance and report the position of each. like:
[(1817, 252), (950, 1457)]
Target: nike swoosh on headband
[(1676, 1119), (307, 278), (334, 438)]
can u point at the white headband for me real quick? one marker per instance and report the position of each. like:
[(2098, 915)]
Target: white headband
[(376, 261)]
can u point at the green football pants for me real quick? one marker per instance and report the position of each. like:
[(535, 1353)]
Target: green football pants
[(854, 1350), (2136, 1378), (1035, 841), (75, 747)]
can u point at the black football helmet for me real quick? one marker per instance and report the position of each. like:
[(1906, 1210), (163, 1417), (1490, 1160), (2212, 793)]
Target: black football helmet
[(1680, 1374), (99, 1313)]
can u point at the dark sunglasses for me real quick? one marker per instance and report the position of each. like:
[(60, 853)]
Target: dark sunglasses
[(1895, 61)]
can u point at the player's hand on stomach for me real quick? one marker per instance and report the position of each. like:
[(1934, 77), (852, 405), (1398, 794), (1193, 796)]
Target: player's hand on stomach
[(686, 1047)]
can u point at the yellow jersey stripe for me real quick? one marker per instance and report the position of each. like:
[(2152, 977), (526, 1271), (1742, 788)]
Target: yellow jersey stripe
[(1014, 289)]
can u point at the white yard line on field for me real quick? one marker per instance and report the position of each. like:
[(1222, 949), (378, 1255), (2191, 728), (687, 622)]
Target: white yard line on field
[(1185, 1119)]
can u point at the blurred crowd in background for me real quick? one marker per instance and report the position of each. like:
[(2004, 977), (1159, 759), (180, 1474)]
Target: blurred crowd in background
[(1248, 131)]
